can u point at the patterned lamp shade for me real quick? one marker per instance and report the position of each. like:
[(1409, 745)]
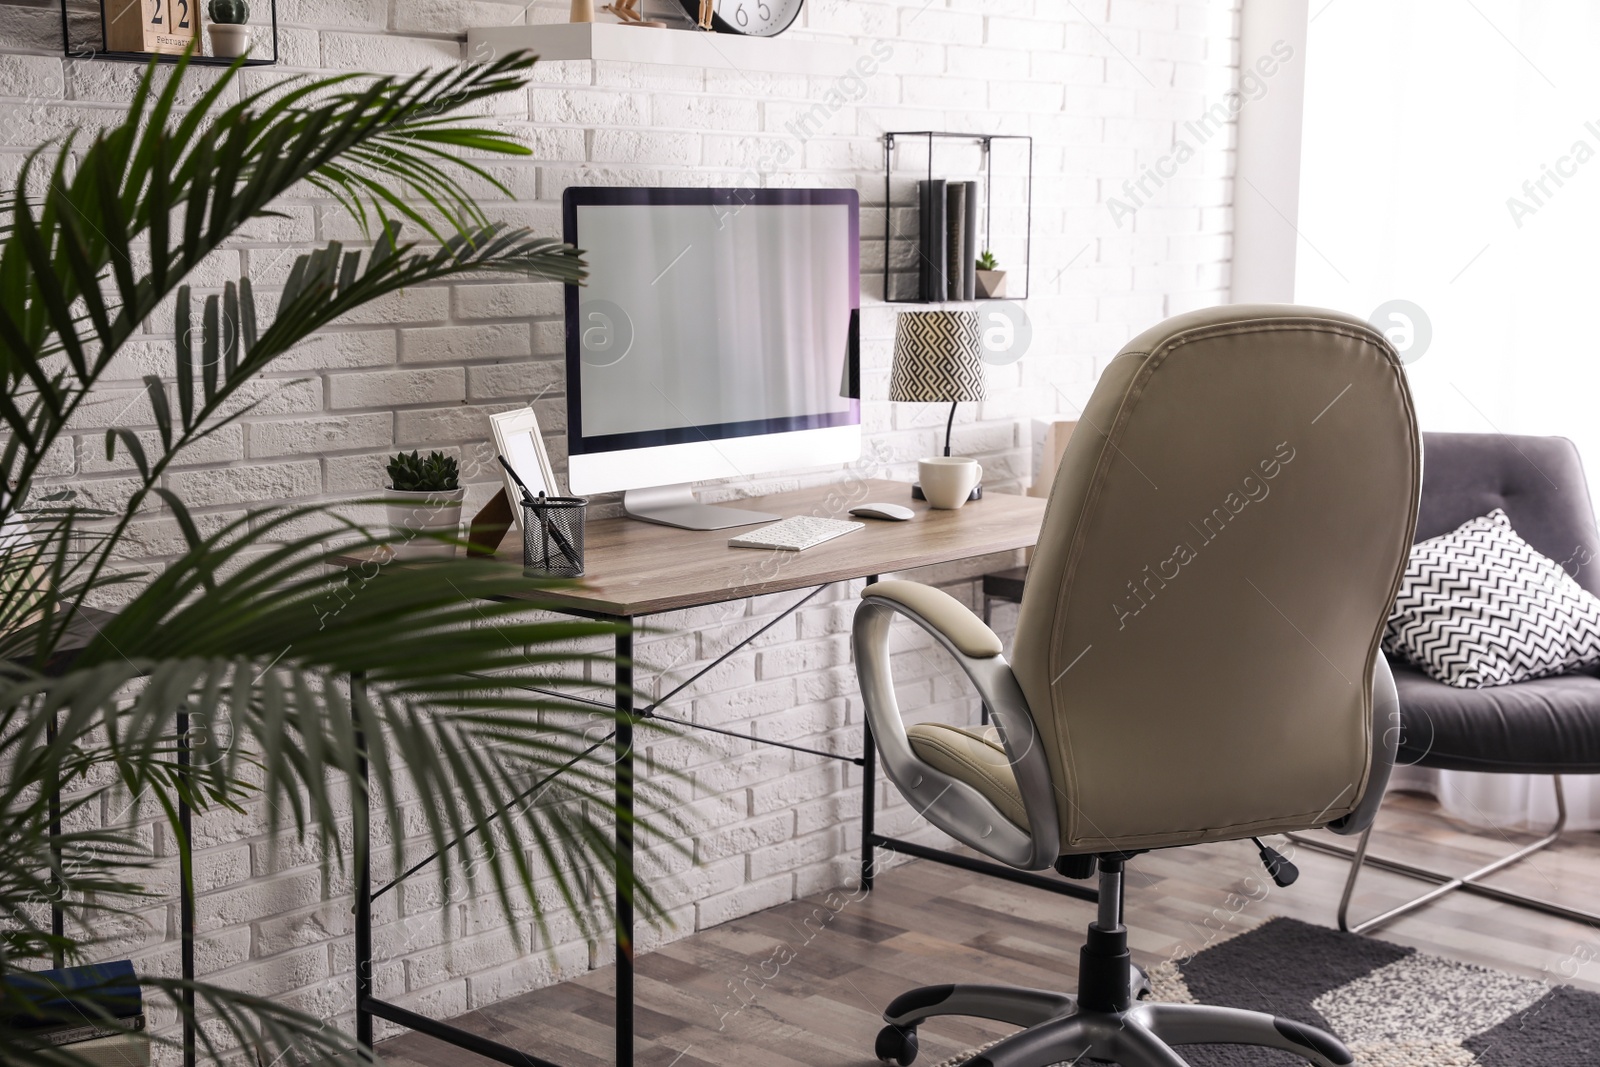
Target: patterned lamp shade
[(938, 357)]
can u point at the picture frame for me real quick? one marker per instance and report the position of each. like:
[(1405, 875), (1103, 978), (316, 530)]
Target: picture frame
[(518, 439)]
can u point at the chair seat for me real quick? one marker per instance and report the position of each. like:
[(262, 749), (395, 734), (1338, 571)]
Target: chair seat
[(975, 756), (1544, 726)]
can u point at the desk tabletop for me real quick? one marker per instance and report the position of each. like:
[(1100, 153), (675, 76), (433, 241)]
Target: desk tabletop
[(638, 568)]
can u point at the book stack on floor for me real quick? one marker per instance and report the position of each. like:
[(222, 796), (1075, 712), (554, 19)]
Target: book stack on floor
[(947, 240), (95, 1012)]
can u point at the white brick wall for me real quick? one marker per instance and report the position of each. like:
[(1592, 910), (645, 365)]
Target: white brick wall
[(1104, 86)]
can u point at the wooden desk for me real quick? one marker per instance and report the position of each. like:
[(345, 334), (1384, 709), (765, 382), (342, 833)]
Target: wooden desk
[(635, 569)]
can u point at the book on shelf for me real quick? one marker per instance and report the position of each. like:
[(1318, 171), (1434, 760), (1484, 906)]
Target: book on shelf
[(118, 1050), (932, 253), (969, 238), (924, 238), (72, 996), (955, 243), (96, 1011), (89, 1030)]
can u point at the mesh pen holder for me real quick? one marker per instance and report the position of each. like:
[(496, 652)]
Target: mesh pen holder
[(552, 537)]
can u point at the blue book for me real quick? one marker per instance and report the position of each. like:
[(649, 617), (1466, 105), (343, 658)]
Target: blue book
[(72, 994)]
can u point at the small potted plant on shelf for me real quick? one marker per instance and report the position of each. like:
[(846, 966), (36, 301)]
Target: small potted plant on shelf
[(230, 36), (991, 279), (424, 502)]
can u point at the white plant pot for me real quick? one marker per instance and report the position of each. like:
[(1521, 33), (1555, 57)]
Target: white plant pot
[(413, 516), (229, 40), (991, 284)]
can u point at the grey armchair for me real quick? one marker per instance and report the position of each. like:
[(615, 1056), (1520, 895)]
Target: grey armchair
[(1197, 655), (1545, 726)]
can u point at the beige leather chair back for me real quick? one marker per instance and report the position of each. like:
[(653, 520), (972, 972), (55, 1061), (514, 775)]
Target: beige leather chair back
[(1225, 536)]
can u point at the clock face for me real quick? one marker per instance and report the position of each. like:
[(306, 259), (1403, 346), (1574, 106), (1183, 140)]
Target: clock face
[(750, 18)]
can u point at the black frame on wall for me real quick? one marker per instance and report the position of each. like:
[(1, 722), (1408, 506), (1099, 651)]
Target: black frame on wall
[(986, 140), (82, 51)]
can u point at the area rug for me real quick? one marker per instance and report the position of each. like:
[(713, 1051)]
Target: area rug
[(1394, 1006)]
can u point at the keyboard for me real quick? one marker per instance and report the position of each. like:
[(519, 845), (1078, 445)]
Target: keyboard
[(796, 534)]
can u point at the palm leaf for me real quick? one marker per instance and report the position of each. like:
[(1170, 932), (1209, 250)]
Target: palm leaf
[(214, 170), (468, 703)]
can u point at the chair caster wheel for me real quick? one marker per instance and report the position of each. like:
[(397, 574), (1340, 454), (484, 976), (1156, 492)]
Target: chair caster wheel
[(897, 1044)]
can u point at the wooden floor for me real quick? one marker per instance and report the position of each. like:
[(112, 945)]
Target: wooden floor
[(802, 986)]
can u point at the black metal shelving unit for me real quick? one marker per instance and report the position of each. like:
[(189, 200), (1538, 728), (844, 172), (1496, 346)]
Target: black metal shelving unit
[(987, 141), (82, 50), (185, 859), (90, 620)]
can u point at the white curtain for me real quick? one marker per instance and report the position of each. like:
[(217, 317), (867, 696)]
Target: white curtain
[(1451, 161)]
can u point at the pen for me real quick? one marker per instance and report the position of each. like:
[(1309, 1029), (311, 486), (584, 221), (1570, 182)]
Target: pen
[(544, 521)]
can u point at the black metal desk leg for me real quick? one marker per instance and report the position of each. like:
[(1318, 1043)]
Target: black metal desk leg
[(988, 620), (362, 861), (869, 792), (625, 872), (58, 924), (186, 895), (869, 766)]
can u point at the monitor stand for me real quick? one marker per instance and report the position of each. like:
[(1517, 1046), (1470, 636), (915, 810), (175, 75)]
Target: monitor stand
[(675, 505)]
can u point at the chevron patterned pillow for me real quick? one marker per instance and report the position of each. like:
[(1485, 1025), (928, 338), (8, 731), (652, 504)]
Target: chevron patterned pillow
[(1479, 607)]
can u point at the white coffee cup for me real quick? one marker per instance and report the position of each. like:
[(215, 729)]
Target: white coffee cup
[(947, 481)]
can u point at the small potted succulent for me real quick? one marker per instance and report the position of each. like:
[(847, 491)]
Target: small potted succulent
[(991, 279), (424, 503), (230, 36)]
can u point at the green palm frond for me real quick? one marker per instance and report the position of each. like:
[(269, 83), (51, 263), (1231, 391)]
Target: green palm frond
[(248, 625), (184, 185), (476, 716), (322, 286), (478, 726)]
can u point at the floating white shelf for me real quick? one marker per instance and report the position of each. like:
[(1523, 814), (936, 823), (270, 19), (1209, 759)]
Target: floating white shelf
[(645, 44)]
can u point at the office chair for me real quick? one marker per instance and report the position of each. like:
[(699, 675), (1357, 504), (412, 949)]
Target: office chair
[(1197, 655)]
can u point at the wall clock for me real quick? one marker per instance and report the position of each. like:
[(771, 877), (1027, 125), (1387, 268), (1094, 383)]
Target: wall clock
[(749, 18)]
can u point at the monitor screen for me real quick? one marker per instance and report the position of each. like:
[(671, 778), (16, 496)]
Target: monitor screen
[(710, 314)]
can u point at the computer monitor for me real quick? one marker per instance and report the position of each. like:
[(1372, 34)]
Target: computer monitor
[(717, 336)]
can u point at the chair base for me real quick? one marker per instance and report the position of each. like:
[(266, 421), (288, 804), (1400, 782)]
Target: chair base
[(1105, 1020), (1059, 1030), (1447, 883)]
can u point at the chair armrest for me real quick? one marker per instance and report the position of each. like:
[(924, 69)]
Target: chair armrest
[(947, 802), (1385, 749), (948, 616)]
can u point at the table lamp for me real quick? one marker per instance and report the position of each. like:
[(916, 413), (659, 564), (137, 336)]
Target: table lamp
[(938, 359)]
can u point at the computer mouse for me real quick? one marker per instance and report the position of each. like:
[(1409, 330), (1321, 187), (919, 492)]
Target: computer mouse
[(892, 512)]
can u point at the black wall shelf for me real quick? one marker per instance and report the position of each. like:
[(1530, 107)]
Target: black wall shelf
[(96, 49), (986, 140)]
